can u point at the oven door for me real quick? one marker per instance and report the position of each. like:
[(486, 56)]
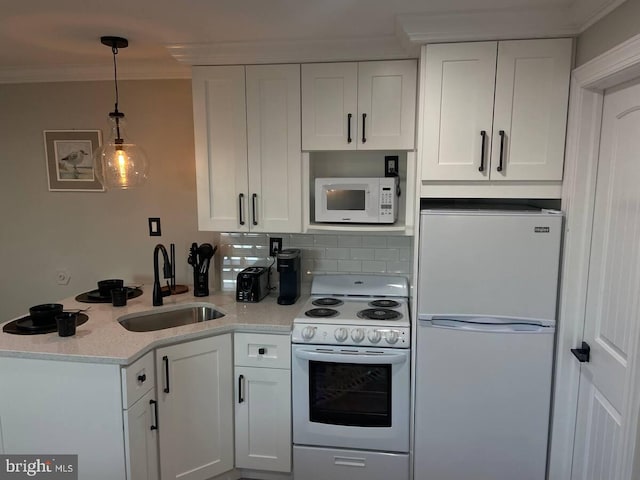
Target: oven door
[(351, 397)]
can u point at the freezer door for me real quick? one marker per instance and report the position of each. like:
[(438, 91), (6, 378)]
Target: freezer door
[(489, 264), (483, 395)]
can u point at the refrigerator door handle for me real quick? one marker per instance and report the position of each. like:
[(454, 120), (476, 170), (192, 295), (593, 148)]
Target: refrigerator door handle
[(485, 324)]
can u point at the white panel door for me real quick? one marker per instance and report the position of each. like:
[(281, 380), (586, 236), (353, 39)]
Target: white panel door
[(263, 418), (195, 408), (387, 105), (329, 106), (532, 91), (458, 111), (141, 439), (220, 130), (607, 421), (274, 151)]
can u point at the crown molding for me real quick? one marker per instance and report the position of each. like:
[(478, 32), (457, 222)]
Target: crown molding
[(292, 51), (585, 13), (485, 25), (80, 73)]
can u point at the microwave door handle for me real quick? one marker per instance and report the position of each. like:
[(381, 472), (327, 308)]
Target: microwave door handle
[(361, 358)]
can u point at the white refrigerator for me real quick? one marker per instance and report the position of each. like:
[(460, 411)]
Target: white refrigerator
[(487, 291)]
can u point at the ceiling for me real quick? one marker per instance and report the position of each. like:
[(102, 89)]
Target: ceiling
[(44, 40)]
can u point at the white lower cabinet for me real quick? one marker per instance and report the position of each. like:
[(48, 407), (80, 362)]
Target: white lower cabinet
[(61, 407), (195, 409), (141, 438), (263, 402)]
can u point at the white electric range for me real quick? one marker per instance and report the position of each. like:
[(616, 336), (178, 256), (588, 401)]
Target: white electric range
[(351, 379)]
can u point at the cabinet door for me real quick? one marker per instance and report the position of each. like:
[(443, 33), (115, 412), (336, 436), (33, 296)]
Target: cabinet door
[(141, 439), (263, 418), (220, 130), (329, 106), (532, 92), (386, 105), (457, 109), (195, 408), (274, 150)]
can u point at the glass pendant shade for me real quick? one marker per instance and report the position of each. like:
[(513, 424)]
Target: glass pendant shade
[(120, 163)]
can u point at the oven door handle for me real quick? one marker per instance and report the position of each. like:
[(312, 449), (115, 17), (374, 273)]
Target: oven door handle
[(360, 357)]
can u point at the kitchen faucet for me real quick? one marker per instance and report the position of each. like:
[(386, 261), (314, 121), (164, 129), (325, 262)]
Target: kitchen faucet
[(166, 270)]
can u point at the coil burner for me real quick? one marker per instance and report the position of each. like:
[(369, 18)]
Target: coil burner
[(321, 313), (379, 314), (384, 303), (327, 302)]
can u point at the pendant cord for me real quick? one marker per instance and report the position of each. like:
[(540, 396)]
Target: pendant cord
[(115, 73), (115, 81)]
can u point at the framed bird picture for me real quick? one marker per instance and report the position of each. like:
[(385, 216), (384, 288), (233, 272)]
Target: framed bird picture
[(69, 155)]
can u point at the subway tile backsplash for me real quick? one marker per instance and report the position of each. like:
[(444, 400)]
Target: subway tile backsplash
[(372, 254)]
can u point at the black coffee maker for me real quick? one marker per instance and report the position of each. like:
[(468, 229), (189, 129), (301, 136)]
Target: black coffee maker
[(289, 269)]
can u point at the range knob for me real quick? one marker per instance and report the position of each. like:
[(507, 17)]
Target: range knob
[(357, 335), (341, 334), (391, 336), (375, 336), (308, 332)]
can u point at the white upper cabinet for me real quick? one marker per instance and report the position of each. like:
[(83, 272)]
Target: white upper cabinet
[(273, 147), (329, 106), (495, 110), (363, 106), (248, 153)]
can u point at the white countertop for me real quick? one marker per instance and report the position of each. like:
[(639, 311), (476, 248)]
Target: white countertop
[(103, 340)]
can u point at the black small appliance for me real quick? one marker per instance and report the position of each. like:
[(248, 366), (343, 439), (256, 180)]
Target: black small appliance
[(289, 269), (252, 284)]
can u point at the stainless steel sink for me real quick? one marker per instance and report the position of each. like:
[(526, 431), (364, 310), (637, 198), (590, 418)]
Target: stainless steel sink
[(169, 317)]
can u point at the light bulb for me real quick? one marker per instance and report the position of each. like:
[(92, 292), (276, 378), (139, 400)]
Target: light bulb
[(120, 163)]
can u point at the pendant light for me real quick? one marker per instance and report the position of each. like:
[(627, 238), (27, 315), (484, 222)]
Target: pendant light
[(119, 163)]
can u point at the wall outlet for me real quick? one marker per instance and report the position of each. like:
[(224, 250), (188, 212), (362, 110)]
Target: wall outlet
[(62, 277), (391, 166), (275, 245)]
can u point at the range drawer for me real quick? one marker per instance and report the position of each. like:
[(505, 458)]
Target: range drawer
[(316, 463), (262, 350), (137, 379)]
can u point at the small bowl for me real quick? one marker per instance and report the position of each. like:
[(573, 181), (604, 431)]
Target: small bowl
[(45, 314), (105, 286)]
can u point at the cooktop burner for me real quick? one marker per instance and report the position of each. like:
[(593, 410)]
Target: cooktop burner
[(379, 314), (384, 303), (321, 312), (327, 302)]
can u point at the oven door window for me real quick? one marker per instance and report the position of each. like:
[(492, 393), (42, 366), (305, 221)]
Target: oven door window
[(350, 394)]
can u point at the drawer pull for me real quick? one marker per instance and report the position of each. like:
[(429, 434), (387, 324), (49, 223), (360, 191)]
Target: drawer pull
[(350, 461), (142, 378), (262, 351)]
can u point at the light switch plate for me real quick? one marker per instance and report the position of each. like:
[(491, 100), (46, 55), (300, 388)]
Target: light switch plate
[(154, 227)]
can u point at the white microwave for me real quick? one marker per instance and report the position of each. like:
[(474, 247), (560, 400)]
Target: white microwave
[(357, 200)]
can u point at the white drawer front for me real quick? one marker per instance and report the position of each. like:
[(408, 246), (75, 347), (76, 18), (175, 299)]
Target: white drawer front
[(315, 463), (137, 379), (262, 350)]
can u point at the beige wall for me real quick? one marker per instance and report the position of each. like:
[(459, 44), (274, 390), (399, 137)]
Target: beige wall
[(92, 235), (620, 25)]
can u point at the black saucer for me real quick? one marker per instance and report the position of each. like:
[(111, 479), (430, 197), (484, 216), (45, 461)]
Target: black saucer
[(25, 326), (94, 296)]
